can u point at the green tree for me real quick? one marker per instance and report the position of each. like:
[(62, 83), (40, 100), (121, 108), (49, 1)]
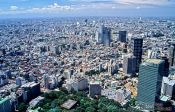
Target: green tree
[(22, 107), (112, 108), (46, 106), (90, 109), (133, 102), (79, 109), (55, 110)]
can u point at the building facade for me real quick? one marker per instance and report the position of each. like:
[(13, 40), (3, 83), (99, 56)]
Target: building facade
[(149, 85), (94, 89), (103, 35), (122, 36), (137, 51), (171, 55), (5, 105), (168, 87), (129, 64)]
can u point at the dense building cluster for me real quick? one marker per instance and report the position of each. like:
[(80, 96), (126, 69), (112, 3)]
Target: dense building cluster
[(123, 59)]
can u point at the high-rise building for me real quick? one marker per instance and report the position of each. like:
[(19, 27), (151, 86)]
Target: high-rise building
[(168, 87), (34, 89), (103, 35), (166, 66), (55, 49), (106, 36), (94, 89), (46, 81), (98, 37), (137, 51), (100, 68), (129, 64), (172, 55), (150, 80), (122, 36)]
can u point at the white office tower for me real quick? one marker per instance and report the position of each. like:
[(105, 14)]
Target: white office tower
[(52, 82), (168, 87), (154, 54), (109, 69), (66, 74), (94, 88), (98, 37)]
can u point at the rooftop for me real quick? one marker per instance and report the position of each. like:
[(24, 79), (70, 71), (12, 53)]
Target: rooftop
[(69, 104), (154, 61), (94, 82), (36, 101), (169, 81), (164, 98)]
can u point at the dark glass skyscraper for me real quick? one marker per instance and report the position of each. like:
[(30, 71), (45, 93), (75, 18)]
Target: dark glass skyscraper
[(122, 36), (137, 51), (150, 80), (106, 36), (166, 66)]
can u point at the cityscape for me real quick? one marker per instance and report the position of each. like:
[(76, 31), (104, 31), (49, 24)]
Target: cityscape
[(94, 62)]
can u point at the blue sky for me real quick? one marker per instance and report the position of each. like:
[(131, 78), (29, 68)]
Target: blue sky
[(57, 8)]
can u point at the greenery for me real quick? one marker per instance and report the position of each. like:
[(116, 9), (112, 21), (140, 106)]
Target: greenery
[(22, 107), (54, 100)]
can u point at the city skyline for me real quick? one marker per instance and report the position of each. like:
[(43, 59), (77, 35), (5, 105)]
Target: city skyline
[(74, 8)]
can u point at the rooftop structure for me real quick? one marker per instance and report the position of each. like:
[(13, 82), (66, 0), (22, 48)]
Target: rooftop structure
[(69, 104)]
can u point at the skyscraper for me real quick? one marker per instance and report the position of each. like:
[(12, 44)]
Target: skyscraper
[(122, 36), (150, 79), (166, 66), (137, 51), (94, 88), (168, 87), (106, 36), (129, 64), (103, 35), (171, 55)]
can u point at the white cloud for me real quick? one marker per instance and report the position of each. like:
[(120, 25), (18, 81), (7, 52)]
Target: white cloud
[(13, 8), (86, 5), (144, 2), (127, 2), (51, 8)]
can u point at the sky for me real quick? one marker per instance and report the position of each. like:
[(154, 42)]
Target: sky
[(64, 8)]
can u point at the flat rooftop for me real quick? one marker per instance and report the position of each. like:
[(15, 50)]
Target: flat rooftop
[(69, 104), (154, 61)]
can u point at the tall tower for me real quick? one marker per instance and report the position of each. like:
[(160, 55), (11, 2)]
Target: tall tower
[(122, 36), (150, 80), (172, 55), (106, 37), (129, 64), (103, 35), (166, 66), (137, 51)]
